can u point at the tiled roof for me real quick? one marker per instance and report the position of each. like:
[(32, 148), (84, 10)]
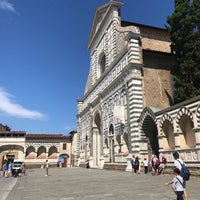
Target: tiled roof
[(47, 136), (13, 132)]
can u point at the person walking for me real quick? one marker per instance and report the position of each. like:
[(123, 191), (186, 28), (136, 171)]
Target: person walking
[(163, 165), (46, 168), (23, 168), (145, 164), (137, 165), (58, 163), (178, 164), (133, 164), (9, 169), (151, 163), (5, 169), (177, 184), (156, 163)]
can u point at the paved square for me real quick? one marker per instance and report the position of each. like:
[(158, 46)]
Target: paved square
[(94, 184)]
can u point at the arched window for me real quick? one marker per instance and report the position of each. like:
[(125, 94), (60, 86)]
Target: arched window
[(111, 130), (103, 64), (52, 152), (41, 153), (30, 153)]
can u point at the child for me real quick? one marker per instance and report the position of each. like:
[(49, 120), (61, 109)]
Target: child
[(47, 168), (177, 184)]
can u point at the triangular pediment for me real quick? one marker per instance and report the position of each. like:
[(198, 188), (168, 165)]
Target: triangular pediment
[(100, 16)]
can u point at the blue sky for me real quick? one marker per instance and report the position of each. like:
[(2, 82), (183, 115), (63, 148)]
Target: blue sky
[(44, 61)]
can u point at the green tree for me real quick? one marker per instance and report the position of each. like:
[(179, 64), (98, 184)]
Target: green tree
[(184, 31)]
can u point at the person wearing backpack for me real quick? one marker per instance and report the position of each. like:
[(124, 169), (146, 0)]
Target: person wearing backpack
[(178, 163), (177, 184)]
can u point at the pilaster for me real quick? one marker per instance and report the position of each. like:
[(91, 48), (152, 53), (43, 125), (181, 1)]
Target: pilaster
[(90, 133), (177, 140), (135, 106), (160, 141), (197, 137)]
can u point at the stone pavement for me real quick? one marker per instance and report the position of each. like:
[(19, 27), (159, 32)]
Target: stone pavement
[(6, 185), (94, 184)]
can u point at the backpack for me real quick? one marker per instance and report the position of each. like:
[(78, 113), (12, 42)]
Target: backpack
[(164, 160), (185, 172), (157, 162)]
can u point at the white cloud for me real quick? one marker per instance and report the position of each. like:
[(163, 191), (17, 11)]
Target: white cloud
[(5, 5), (11, 108)]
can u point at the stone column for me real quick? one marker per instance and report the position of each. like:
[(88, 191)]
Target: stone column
[(161, 137), (116, 145)]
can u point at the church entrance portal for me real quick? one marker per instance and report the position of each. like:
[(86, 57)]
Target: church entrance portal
[(150, 129)]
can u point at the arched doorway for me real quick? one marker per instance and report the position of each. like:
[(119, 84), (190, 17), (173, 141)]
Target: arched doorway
[(11, 152), (149, 131), (63, 158), (96, 140), (111, 142), (152, 135)]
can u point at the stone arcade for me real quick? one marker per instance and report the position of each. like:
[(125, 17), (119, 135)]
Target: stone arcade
[(127, 104), (34, 149)]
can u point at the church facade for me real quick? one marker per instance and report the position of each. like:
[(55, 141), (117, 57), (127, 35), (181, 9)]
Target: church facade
[(127, 107)]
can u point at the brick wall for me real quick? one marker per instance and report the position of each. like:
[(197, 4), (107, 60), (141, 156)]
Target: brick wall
[(157, 80)]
